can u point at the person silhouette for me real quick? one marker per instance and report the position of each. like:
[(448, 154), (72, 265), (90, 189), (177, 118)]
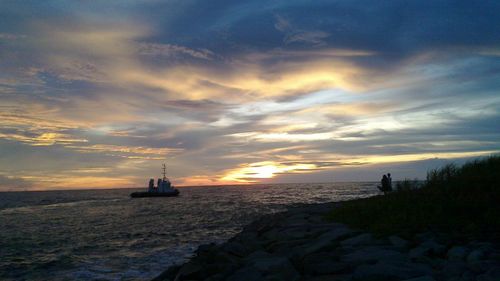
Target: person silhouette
[(384, 187), (389, 181)]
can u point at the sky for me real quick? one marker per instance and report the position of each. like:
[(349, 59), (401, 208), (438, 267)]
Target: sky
[(98, 94)]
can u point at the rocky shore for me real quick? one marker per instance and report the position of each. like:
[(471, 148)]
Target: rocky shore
[(300, 244)]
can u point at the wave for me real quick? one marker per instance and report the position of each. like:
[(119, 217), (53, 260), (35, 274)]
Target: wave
[(34, 208)]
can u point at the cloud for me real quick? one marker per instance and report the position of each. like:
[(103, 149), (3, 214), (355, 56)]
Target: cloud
[(131, 152), (171, 50), (9, 37), (245, 90), (294, 35), (262, 170), (9, 183)]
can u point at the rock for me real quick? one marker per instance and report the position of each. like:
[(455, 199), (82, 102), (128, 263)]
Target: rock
[(190, 270), (245, 274), (361, 239), (316, 219), (258, 255), (435, 247), (475, 255), (296, 233), (467, 276), (493, 274), (270, 264), (429, 247), (216, 277), (297, 219), (321, 242), (168, 274), (234, 248), (276, 268), (483, 265), (457, 253), (249, 239), (305, 230), (421, 278), (398, 242), (389, 271), (323, 263), (270, 235), (453, 269), (330, 277), (433, 262), (426, 236), (283, 247), (287, 274), (206, 248), (486, 247), (372, 253)]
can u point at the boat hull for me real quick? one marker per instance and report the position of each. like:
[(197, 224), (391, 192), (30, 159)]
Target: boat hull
[(154, 194)]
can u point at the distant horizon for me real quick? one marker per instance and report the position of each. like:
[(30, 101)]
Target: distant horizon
[(186, 186), (237, 92)]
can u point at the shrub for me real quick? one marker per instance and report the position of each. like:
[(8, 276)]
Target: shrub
[(407, 184), (461, 201)]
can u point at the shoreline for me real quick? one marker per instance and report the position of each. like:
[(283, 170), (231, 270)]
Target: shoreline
[(300, 244)]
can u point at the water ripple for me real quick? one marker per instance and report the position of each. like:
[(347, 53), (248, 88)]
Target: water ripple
[(103, 234)]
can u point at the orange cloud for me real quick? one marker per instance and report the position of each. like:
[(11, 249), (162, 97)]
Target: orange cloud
[(248, 173)]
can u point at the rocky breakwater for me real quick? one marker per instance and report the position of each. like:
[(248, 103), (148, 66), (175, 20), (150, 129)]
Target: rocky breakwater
[(301, 245)]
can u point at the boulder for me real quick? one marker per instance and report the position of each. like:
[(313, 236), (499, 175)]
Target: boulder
[(323, 263), (258, 255), (475, 256), (190, 270), (483, 265), (493, 274), (389, 271), (329, 277), (421, 278), (167, 275), (453, 269), (284, 274), (427, 248), (206, 248), (323, 241), (371, 254), (467, 276), (297, 219), (305, 231), (457, 253), (361, 239), (234, 248), (245, 274), (433, 262), (425, 236), (283, 247), (398, 242), (275, 268), (270, 264)]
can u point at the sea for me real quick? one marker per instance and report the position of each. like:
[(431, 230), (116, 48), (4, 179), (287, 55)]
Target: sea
[(106, 235)]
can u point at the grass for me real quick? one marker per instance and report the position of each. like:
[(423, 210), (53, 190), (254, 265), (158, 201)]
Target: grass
[(463, 202)]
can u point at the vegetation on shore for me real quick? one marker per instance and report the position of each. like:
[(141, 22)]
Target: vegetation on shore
[(463, 202)]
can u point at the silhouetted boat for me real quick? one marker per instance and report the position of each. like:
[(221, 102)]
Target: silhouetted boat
[(163, 189), (140, 194)]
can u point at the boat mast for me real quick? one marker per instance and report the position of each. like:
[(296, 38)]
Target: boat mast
[(164, 171)]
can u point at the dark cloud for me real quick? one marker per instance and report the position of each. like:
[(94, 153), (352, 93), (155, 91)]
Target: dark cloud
[(215, 86), (390, 27), (13, 183)]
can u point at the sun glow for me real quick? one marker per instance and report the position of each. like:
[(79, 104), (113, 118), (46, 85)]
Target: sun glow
[(249, 173)]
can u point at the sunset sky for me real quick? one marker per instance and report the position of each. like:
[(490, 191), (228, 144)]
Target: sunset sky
[(101, 93)]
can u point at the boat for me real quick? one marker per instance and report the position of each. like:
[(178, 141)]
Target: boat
[(164, 188)]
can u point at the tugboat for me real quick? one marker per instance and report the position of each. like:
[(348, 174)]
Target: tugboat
[(163, 189)]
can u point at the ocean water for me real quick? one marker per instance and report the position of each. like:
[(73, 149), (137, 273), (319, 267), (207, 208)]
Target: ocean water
[(105, 235)]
